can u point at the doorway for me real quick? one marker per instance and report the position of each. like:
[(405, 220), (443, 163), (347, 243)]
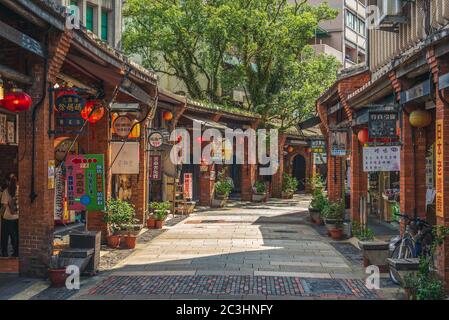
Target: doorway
[(299, 171)]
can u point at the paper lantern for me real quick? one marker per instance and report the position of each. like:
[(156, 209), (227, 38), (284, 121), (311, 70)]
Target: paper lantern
[(308, 150), (16, 101), (420, 118), (290, 149), (96, 115), (167, 115), (363, 136)]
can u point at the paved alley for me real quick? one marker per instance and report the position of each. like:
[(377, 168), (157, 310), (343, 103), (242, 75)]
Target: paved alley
[(243, 251)]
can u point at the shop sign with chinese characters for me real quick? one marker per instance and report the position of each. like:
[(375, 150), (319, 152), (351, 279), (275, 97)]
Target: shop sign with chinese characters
[(386, 158), (188, 185), (70, 103), (338, 143), (85, 182), (382, 124), (439, 149), (318, 146), (155, 167)]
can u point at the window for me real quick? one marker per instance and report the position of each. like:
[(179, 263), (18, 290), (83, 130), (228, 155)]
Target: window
[(73, 3), (362, 28), (104, 25), (90, 18), (351, 20)]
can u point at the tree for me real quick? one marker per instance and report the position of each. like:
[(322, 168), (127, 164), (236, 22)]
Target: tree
[(258, 45)]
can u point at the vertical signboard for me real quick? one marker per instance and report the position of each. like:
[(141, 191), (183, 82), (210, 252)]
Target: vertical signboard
[(439, 169), (85, 182), (155, 167), (338, 143), (188, 184)]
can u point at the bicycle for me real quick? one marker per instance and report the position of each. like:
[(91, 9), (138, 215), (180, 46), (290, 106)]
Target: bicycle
[(417, 241)]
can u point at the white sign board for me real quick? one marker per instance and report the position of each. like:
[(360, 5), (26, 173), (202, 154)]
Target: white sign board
[(127, 161), (385, 158)]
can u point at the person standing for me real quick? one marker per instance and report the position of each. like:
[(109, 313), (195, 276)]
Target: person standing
[(10, 218)]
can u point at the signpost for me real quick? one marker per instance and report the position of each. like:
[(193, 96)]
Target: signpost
[(85, 182), (386, 158)]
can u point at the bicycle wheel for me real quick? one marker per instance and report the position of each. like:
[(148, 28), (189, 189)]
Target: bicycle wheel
[(407, 252)]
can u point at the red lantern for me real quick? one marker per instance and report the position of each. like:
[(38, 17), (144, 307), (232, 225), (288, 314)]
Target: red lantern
[(290, 149), (308, 150), (363, 136), (167, 115), (96, 115), (16, 101)]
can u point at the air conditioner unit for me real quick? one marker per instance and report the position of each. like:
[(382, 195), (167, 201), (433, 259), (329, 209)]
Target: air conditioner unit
[(391, 13)]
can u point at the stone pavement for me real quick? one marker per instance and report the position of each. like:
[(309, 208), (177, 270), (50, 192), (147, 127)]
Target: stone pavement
[(243, 251)]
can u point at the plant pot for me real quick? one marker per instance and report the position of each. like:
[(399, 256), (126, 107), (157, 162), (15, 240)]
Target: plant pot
[(315, 216), (287, 195), (159, 224), (113, 241), (259, 197), (375, 253), (336, 234), (219, 196), (57, 277), (218, 203), (130, 241), (151, 222)]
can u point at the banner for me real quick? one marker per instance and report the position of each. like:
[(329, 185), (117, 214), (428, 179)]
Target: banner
[(155, 167), (385, 158), (85, 182), (188, 185), (439, 148)]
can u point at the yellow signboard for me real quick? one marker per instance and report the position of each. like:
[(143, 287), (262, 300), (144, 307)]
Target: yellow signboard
[(439, 174)]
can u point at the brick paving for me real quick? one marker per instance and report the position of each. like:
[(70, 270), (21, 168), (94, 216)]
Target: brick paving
[(232, 285)]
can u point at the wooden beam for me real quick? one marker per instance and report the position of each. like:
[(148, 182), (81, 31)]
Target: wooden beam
[(24, 13), (58, 22), (22, 40), (13, 75)]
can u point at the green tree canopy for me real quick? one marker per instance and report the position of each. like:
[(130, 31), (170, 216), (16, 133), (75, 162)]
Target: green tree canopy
[(216, 45)]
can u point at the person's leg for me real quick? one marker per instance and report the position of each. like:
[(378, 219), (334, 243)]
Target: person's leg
[(5, 238), (15, 237)]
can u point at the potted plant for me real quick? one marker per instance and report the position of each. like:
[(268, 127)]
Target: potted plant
[(151, 221), (318, 203), (160, 212), (223, 188), (374, 252), (289, 186), (132, 230), (259, 191), (333, 214), (118, 213), (56, 272)]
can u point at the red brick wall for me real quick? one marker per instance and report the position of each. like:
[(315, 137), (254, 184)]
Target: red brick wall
[(359, 179), (206, 187)]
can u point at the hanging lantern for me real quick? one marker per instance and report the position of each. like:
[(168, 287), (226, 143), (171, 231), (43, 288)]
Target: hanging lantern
[(363, 136), (420, 118), (135, 132), (290, 149), (96, 115), (308, 150), (16, 101), (167, 115)]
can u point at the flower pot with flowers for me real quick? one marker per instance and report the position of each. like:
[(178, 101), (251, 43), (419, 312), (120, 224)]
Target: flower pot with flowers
[(223, 188), (289, 186), (333, 214), (259, 191), (160, 212), (117, 215)]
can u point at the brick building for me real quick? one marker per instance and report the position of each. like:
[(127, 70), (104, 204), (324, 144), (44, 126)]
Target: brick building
[(51, 58), (407, 75)]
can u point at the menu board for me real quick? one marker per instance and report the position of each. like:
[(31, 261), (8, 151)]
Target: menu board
[(381, 158), (85, 182), (382, 124)]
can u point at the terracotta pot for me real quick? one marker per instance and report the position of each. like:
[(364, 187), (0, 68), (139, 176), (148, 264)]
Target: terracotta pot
[(130, 241), (57, 277), (336, 234), (113, 241), (151, 222), (159, 224)]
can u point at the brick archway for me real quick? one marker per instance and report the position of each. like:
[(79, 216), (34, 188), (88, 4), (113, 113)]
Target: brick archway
[(290, 158)]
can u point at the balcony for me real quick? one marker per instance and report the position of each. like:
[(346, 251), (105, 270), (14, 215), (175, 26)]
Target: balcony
[(324, 48)]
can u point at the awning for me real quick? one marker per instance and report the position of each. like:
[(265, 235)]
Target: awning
[(207, 123)]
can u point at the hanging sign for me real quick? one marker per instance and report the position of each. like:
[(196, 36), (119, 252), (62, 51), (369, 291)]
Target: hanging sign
[(338, 141), (318, 146), (382, 124), (319, 158), (386, 158), (122, 126), (126, 157), (439, 148), (69, 102), (85, 182), (155, 167), (156, 139), (59, 194), (188, 186), (51, 174)]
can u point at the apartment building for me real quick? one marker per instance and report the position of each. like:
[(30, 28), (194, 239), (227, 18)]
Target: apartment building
[(345, 36), (102, 17)]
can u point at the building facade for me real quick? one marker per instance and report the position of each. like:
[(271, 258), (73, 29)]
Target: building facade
[(406, 80)]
